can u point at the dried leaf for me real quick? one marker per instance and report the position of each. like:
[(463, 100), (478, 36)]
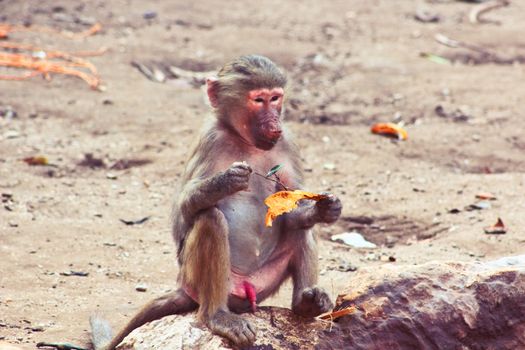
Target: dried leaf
[(59, 346), (75, 273), (486, 196), (390, 129), (39, 160), (135, 222), (285, 201), (330, 316), (497, 228)]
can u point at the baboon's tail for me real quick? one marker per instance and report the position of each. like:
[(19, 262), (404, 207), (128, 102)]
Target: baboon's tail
[(101, 334)]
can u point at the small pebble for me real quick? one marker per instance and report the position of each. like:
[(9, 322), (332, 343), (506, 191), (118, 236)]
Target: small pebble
[(37, 328), (149, 15), (346, 267), (141, 287), (371, 257), (8, 113), (387, 258), (479, 205), (11, 134), (329, 166)]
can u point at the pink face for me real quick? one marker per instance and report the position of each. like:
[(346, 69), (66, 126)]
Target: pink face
[(265, 107), (265, 98)]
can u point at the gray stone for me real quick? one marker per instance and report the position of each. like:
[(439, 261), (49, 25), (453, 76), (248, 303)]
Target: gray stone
[(438, 305)]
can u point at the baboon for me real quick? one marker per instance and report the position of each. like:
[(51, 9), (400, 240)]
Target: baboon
[(229, 260)]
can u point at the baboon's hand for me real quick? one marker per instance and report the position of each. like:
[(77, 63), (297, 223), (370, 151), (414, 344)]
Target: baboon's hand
[(329, 209), (237, 177)]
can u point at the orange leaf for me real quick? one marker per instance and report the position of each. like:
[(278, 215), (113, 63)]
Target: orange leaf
[(36, 160), (486, 196), (497, 228), (339, 313), (390, 129), (285, 201)]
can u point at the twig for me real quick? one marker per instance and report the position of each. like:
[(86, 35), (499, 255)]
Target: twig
[(59, 346), (278, 181), (199, 77), (47, 54), (478, 10), (45, 67), (444, 40), (339, 313), (153, 74)]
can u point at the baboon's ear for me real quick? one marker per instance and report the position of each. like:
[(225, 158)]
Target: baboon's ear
[(212, 90)]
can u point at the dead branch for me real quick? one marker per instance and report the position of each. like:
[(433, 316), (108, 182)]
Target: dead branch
[(479, 10)]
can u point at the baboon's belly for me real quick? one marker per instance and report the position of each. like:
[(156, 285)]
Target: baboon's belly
[(252, 244), (264, 280)]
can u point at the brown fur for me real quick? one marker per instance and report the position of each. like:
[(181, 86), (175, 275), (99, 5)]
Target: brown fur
[(207, 242), (201, 229)]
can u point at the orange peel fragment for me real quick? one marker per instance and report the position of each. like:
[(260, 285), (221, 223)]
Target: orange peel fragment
[(486, 196), (285, 201), (390, 129), (38, 160), (333, 315)]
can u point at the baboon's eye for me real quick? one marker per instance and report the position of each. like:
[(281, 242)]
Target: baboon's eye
[(259, 100)]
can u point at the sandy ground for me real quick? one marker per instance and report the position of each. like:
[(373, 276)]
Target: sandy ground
[(351, 63)]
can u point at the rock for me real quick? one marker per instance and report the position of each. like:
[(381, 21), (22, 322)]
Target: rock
[(426, 16), (479, 206), (345, 266), (149, 15), (11, 134), (436, 305), (278, 328), (329, 166), (354, 239), (8, 112)]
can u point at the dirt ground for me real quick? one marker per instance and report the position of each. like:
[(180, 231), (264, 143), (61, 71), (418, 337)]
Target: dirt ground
[(351, 63)]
